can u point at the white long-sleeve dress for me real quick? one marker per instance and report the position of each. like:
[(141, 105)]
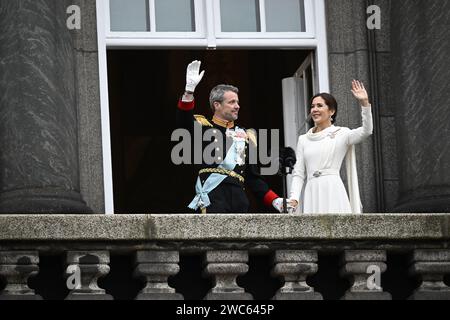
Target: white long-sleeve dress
[(319, 159)]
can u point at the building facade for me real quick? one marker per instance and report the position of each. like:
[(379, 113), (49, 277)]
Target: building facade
[(88, 91)]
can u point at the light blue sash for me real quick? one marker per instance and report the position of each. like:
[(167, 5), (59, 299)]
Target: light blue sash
[(201, 200)]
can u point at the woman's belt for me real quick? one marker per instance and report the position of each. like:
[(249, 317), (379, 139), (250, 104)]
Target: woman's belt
[(324, 172), (223, 171)]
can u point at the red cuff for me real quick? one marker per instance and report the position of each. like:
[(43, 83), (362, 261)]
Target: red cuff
[(186, 106), (269, 197)]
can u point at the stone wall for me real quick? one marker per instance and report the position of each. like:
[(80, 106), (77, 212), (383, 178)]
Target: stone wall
[(404, 166)]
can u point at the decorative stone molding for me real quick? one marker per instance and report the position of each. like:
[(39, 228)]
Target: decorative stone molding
[(294, 266), (224, 267), (156, 267), (431, 266), (364, 268), (86, 267), (16, 267)]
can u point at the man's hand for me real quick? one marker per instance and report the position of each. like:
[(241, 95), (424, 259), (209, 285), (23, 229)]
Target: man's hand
[(360, 93), (292, 205), (193, 77), (278, 204)]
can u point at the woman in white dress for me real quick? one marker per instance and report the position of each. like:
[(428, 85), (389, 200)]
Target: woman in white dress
[(320, 153)]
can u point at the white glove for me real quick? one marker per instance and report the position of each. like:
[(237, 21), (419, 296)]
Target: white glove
[(192, 75), (278, 204)]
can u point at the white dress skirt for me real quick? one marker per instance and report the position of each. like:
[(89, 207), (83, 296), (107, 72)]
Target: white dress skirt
[(319, 159)]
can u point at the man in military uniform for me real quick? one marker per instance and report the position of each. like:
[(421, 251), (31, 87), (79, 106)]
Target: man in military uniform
[(220, 186)]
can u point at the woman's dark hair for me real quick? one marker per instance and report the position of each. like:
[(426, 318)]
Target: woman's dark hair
[(330, 102)]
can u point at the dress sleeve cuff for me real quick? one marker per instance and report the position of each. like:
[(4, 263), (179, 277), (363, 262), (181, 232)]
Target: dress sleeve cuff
[(269, 197), (186, 106)]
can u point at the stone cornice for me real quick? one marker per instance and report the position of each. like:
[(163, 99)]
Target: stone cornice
[(239, 227)]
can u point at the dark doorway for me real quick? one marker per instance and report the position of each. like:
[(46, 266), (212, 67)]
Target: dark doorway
[(144, 87)]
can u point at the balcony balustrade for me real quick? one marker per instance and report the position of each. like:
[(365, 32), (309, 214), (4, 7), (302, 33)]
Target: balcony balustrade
[(226, 257)]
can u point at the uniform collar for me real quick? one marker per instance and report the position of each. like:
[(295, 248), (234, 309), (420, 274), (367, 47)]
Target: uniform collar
[(223, 123)]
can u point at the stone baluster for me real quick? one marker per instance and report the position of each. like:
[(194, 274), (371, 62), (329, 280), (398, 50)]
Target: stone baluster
[(16, 267), (83, 270), (224, 267), (364, 268), (294, 266), (431, 266), (156, 267)]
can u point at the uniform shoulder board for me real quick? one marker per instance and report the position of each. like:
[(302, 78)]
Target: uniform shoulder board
[(251, 134), (202, 120)]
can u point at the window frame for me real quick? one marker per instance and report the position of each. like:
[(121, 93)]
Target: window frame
[(152, 33), (309, 32), (208, 40), (208, 30)]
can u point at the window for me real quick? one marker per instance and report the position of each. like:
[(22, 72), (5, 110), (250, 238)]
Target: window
[(269, 18), (129, 15), (204, 24), (174, 15), (239, 16), (154, 19), (285, 15), (209, 20)]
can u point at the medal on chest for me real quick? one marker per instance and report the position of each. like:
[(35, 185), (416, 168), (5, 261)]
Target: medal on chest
[(239, 137)]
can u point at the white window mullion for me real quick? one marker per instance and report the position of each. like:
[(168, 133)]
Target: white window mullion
[(212, 22), (152, 15), (311, 16), (103, 28), (107, 16), (262, 15), (322, 48), (200, 22)]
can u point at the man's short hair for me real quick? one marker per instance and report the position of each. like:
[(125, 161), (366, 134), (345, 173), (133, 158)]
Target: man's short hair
[(217, 93)]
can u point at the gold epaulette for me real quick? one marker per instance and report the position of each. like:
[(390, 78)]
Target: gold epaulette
[(202, 120), (251, 133)]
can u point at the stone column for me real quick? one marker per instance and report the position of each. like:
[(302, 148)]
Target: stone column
[(420, 52), (224, 267), (83, 270), (16, 267), (294, 266), (39, 171), (348, 53), (156, 267), (363, 268), (431, 266)]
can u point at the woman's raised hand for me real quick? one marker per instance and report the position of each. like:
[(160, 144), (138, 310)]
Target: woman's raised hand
[(360, 93)]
